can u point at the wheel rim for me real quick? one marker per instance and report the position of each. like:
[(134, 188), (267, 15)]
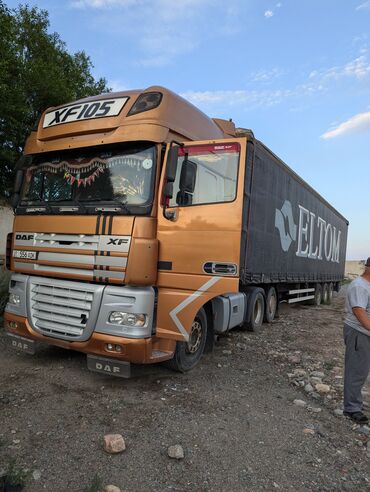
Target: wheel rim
[(258, 312), (195, 337)]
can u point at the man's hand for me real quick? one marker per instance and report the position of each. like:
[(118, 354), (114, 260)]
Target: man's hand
[(362, 316)]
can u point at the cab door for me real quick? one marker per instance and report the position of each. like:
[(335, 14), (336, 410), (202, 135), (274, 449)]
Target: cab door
[(199, 229)]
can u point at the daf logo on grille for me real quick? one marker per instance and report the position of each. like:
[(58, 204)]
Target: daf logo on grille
[(117, 241), (24, 237)]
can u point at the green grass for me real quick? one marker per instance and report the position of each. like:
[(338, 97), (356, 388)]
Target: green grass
[(96, 485)]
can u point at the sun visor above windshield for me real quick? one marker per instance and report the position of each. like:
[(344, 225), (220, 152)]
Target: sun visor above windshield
[(85, 116)]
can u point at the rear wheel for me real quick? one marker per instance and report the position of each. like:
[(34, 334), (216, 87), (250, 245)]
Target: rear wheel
[(256, 310), (271, 305), (325, 294), (330, 292), (316, 301), (188, 354)]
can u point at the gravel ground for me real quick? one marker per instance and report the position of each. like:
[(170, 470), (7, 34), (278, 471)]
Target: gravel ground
[(234, 416)]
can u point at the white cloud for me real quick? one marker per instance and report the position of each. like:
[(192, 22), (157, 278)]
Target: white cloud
[(160, 29), (267, 75), (268, 14), (364, 6), (358, 68), (356, 124)]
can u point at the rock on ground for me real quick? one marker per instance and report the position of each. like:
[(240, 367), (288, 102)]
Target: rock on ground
[(176, 452), (111, 488), (114, 443)]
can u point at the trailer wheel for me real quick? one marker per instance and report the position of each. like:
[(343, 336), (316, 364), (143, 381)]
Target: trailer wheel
[(330, 292), (316, 301), (256, 310), (188, 354), (271, 305), (325, 294)]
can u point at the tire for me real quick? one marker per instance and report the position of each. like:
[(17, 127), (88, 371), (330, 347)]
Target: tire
[(330, 292), (256, 310), (188, 354), (325, 294), (316, 301), (271, 305)]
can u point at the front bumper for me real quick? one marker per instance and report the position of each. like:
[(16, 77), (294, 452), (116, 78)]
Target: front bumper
[(74, 315), (138, 351)]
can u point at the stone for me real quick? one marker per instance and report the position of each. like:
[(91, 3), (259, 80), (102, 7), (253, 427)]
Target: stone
[(308, 388), (114, 443), (227, 352), (111, 488), (317, 374), (364, 429), (309, 432), (315, 409), (322, 389), (36, 474), (300, 403), (338, 412), (294, 359), (316, 380), (176, 452), (299, 372)]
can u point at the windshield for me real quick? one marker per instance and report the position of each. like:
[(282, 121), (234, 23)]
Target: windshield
[(121, 175)]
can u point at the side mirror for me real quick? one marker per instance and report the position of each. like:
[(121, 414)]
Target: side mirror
[(188, 176), (172, 163), (168, 190), (14, 200), (18, 181)]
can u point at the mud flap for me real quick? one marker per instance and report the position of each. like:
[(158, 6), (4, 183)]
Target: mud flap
[(22, 344), (111, 367)]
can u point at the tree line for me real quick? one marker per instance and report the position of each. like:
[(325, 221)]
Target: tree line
[(36, 71)]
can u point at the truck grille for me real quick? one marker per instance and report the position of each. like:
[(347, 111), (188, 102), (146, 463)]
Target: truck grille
[(62, 309)]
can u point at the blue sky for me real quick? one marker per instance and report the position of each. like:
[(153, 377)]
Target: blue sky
[(295, 71)]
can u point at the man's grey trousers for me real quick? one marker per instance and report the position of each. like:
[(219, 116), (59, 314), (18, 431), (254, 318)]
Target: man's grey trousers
[(356, 369)]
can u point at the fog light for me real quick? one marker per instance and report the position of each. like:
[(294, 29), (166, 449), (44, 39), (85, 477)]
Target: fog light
[(118, 348), (14, 299), (109, 346), (13, 325), (128, 319)]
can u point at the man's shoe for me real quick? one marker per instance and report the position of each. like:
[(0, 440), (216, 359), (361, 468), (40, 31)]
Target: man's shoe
[(358, 417)]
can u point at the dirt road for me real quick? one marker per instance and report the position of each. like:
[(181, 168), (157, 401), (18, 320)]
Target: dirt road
[(234, 416)]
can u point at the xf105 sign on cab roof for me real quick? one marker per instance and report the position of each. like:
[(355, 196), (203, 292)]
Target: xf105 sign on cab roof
[(84, 111)]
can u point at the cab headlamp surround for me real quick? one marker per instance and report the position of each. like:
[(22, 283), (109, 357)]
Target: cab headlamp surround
[(127, 319), (145, 102)]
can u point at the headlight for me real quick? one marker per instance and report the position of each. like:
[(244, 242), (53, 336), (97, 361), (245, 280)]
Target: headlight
[(128, 319), (14, 299)]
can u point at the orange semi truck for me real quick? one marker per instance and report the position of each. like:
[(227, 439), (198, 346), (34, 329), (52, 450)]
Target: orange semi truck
[(143, 228)]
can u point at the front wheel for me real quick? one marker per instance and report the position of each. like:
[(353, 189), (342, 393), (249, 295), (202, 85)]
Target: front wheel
[(256, 310), (188, 354)]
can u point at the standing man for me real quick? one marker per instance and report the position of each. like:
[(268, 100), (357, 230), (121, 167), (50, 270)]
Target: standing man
[(357, 340)]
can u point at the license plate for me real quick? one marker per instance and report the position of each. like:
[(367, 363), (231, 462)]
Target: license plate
[(25, 255), (23, 344), (111, 367)]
